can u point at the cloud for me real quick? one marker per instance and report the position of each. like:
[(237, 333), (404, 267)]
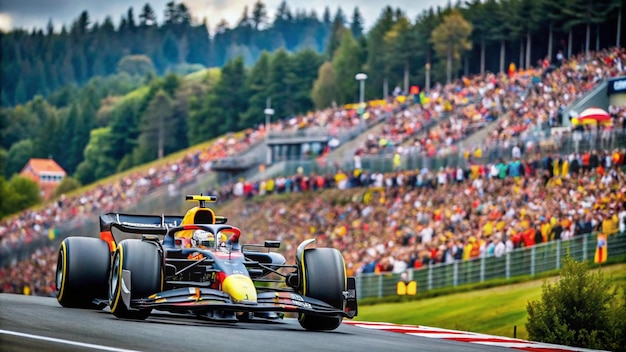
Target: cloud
[(216, 10), (231, 10), (36, 13), (5, 22)]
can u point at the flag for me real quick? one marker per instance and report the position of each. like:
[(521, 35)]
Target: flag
[(422, 97), (601, 250), (52, 234)]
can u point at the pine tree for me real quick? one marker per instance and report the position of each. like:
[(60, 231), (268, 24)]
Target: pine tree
[(345, 67), (156, 121), (356, 25), (259, 15), (256, 91), (147, 16)]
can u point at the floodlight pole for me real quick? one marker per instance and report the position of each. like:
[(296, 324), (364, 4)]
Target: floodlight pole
[(361, 77), (268, 113)]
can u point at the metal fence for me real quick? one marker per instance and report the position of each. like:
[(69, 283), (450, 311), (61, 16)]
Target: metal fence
[(563, 144), (525, 261)]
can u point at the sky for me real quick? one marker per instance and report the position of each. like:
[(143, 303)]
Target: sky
[(36, 13)]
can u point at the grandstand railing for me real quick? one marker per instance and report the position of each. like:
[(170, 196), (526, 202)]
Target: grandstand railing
[(525, 261), (564, 144)]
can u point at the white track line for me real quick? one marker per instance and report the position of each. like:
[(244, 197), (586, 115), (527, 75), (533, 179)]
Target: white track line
[(65, 342)]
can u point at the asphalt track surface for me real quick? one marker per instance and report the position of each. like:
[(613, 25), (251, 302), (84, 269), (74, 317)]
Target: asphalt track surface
[(40, 324)]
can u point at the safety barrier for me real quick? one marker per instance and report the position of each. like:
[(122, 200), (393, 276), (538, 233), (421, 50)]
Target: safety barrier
[(525, 261)]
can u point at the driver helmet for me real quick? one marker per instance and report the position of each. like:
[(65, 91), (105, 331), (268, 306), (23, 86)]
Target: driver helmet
[(221, 240), (203, 239)]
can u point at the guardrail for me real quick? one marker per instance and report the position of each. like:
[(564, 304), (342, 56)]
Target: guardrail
[(525, 261)]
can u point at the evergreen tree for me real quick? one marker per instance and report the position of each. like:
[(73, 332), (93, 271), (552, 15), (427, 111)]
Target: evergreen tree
[(281, 84), (259, 15), (170, 48), (306, 64), (283, 24), (67, 155), (80, 26), (401, 48), (337, 32), (50, 28), (326, 19), (345, 67), (356, 25), (156, 122), (19, 126), (147, 16), (256, 91), (130, 18), (222, 108), (78, 142), (124, 131), (20, 92), (377, 77), (200, 48), (50, 141)]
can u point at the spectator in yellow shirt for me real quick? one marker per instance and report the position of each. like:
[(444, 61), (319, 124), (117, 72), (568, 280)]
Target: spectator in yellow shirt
[(610, 223)]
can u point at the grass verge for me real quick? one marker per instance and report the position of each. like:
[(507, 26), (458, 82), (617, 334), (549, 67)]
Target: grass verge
[(495, 310)]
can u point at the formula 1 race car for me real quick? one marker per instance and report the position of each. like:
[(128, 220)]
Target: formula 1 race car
[(196, 264)]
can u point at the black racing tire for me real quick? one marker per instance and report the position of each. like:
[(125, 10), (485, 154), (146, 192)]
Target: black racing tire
[(324, 278), (143, 260), (82, 273)]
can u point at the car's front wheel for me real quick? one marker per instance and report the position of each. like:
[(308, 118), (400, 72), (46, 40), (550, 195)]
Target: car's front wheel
[(324, 278), (143, 260)]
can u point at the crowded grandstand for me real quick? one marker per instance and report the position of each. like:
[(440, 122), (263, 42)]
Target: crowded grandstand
[(517, 187)]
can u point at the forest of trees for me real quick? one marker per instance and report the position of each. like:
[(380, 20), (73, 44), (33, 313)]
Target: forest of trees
[(42, 60), (100, 98)]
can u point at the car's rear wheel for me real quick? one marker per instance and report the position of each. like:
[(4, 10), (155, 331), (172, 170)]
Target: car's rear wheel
[(82, 272), (143, 260), (324, 278)]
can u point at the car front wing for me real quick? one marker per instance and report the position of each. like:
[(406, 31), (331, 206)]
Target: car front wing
[(203, 299)]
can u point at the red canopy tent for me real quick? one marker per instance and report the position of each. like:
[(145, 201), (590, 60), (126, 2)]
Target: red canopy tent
[(593, 116)]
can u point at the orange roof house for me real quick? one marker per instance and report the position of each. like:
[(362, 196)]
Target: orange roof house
[(46, 172)]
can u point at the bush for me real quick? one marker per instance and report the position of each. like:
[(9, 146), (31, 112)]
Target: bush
[(139, 65), (17, 194), (581, 309)]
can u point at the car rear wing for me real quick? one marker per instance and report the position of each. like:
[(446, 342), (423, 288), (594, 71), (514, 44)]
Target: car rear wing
[(144, 224), (140, 224)]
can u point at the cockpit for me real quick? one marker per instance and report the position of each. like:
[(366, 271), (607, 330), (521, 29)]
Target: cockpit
[(207, 240)]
